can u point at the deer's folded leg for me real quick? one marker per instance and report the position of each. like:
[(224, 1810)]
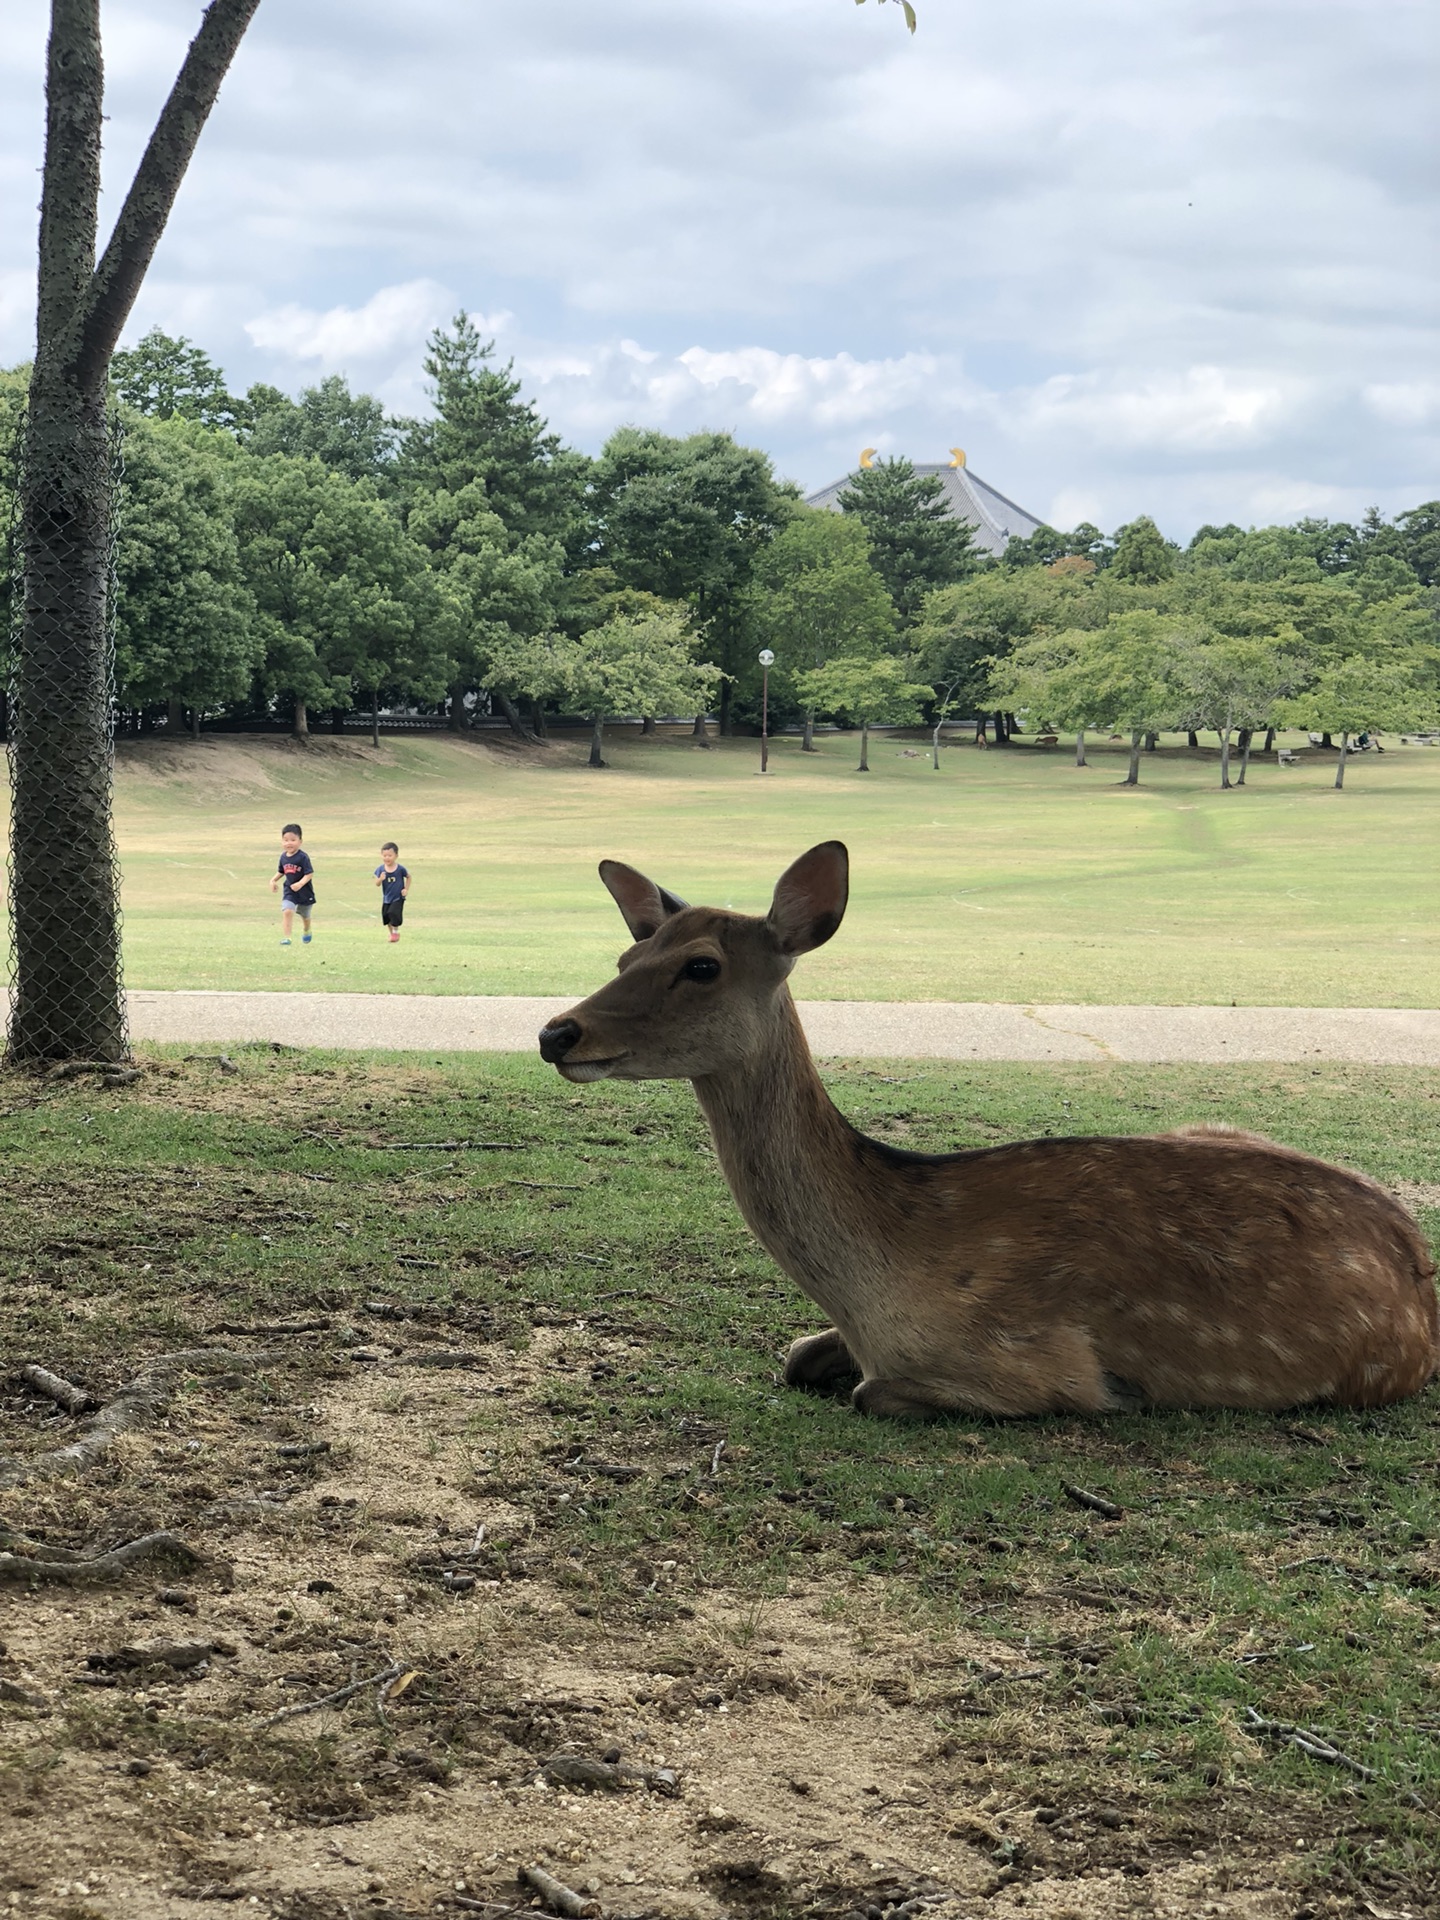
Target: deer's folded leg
[(820, 1360)]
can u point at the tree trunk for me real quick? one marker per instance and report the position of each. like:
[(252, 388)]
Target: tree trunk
[(1002, 732), (597, 740), (864, 766), (1080, 759), (1192, 738), (1269, 746), (512, 717), (647, 725), (1246, 737), (1225, 758), (375, 717), (1326, 741), (725, 709), (1132, 778), (700, 733), (980, 730), (1340, 764), (300, 725), (807, 739), (537, 720), (935, 746), (337, 720), (174, 714), (1152, 741), (195, 723), (457, 709)]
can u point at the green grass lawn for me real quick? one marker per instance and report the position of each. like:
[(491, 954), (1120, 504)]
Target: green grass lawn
[(1008, 876), (1282, 1564)]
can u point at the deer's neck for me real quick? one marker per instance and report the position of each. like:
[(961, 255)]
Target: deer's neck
[(796, 1166)]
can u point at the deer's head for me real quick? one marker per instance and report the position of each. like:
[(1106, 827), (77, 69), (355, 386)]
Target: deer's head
[(696, 993)]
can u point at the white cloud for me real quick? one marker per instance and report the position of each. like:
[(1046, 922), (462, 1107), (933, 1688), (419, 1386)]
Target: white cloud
[(1412, 403), (391, 322), (1199, 409)]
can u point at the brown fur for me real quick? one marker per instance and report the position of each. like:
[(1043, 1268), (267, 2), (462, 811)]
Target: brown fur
[(1203, 1267)]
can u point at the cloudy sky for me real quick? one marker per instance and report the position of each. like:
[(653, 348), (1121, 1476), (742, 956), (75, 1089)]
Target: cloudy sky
[(1173, 256)]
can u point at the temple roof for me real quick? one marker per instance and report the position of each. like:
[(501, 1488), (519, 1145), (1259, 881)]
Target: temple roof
[(994, 518)]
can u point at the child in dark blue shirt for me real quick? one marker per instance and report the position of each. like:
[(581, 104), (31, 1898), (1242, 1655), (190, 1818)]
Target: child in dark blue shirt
[(393, 881), (298, 873)]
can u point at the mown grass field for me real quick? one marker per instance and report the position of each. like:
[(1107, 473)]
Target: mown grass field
[(881, 1661), (1006, 876)]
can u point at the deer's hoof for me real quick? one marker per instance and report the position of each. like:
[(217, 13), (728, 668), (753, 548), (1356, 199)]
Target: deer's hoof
[(820, 1361), (897, 1400)]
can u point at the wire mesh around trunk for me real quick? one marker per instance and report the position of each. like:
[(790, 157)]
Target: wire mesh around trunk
[(66, 1000)]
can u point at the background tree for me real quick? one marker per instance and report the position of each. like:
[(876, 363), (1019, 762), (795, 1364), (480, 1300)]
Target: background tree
[(916, 544), (815, 596), (867, 690), (1142, 553), (965, 629), (67, 1000), (1224, 684), (344, 599), (185, 632), (348, 431), (167, 377), (1369, 692), (1122, 675), (635, 663), (687, 520)]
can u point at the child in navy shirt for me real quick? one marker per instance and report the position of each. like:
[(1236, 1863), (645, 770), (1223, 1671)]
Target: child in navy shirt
[(298, 873), (393, 881)]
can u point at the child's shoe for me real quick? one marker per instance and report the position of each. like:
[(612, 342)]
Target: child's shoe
[(393, 936), (285, 941), (306, 938)]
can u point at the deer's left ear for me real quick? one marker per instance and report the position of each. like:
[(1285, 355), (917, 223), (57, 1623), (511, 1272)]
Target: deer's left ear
[(645, 906), (810, 898)]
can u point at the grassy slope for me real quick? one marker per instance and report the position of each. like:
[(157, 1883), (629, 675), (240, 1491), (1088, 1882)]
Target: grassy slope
[(1007, 876), (164, 1211)]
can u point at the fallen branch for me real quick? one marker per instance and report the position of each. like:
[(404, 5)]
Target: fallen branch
[(110, 1069), (392, 1672), (142, 1403), (558, 1897), (1096, 1502), (60, 1567), (1315, 1745), (72, 1398), (448, 1146)]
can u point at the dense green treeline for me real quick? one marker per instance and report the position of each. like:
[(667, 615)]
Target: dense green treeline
[(292, 558)]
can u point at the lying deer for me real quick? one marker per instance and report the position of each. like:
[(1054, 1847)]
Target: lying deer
[(1203, 1267)]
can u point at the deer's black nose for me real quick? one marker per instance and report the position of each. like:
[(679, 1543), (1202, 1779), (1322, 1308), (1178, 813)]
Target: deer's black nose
[(557, 1039)]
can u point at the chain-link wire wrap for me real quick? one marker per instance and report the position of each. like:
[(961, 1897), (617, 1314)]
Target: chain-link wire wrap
[(66, 996)]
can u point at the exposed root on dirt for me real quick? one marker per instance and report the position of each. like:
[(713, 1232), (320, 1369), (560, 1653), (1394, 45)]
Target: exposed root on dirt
[(58, 1567), (143, 1403)]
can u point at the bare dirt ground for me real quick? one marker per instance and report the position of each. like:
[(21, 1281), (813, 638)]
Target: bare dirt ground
[(680, 1758)]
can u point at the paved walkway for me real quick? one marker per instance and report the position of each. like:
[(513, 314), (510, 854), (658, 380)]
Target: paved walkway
[(940, 1029)]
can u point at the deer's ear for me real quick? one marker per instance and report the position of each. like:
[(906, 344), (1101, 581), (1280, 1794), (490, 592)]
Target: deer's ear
[(645, 906), (810, 898)]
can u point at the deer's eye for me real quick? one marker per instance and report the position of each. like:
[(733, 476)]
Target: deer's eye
[(700, 970)]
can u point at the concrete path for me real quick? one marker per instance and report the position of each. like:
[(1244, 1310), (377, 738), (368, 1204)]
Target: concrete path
[(858, 1029)]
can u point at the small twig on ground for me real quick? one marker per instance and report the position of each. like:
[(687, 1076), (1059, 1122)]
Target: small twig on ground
[(302, 1449), (1096, 1502), (558, 1897), (1315, 1745), (57, 1567), (542, 1186), (279, 1326), (715, 1459), (448, 1146), (72, 1398), (392, 1672), (309, 1133)]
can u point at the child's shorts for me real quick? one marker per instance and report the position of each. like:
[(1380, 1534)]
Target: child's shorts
[(392, 913), (303, 908)]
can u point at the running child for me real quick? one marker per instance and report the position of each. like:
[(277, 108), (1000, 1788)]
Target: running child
[(393, 881), (298, 873)]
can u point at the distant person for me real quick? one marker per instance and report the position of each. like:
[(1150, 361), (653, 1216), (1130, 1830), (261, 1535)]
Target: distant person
[(393, 881), (297, 870)]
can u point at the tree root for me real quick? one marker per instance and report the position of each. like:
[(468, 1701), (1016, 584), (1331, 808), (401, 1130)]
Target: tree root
[(57, 1566), (144, 1402)]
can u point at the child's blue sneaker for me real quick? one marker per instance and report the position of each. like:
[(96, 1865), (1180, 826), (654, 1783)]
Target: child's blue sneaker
[(306, 938), (286, 941)]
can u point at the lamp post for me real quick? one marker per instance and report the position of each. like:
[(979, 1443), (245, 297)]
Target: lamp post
[(767, 660)]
